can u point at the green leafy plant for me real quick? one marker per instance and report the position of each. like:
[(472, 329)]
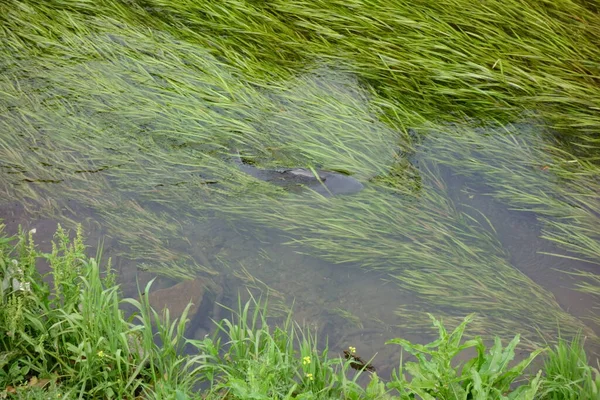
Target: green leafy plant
[(486, 376)]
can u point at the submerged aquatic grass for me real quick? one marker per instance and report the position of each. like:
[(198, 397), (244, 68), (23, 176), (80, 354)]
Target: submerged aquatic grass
[(526, 169), (133, 110), (442, 59)]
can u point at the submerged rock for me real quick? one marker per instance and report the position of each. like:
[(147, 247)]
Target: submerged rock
[(203, 293), (326, 183)]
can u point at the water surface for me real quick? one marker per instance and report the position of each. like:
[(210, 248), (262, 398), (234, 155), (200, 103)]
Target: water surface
[(134, 140)]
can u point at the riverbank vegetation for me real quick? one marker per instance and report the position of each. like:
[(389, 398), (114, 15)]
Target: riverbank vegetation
[(65, 335)]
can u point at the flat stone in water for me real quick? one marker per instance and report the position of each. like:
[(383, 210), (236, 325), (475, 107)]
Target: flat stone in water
[(177, 297), (328, 183), (203, 293), (301, 172)]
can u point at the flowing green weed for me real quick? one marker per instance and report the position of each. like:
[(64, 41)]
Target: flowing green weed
[(124, 114)]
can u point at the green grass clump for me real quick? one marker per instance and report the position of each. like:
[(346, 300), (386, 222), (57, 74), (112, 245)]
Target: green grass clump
[(528, 169), (568, 373), (257, 361), (441, 59), (72, 340), (73, 334)]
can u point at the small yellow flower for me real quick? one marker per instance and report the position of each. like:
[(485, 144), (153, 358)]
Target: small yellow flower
[(101, 354), (352, 349), (306, 360), (310, 377)]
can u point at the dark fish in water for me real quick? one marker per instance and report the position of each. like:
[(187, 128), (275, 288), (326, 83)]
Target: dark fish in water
[(326, 183)]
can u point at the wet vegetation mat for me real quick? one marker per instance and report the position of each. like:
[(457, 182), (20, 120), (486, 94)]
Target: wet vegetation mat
[(411, 137)]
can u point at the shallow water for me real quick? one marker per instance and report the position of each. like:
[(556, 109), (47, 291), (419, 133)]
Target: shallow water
[(134, 142), (350, 305)]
